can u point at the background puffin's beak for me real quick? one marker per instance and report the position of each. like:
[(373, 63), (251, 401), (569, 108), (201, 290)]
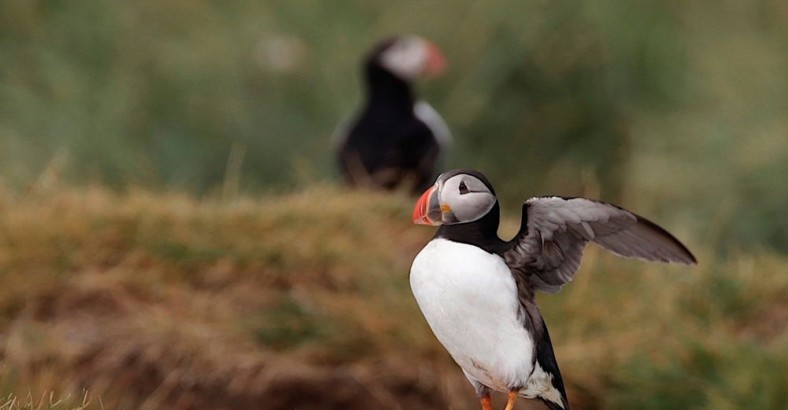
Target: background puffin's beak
[(436, 62), (427, 210)]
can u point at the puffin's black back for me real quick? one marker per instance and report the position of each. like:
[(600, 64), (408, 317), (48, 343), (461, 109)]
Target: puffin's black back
[(387, 144)]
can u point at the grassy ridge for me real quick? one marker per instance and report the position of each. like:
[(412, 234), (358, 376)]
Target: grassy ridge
[(161, 300)]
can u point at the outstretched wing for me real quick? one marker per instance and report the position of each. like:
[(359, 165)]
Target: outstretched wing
[(554, 232)]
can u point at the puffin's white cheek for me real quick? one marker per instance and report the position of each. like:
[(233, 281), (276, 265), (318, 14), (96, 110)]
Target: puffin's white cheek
[(406, 62), (473, 206)]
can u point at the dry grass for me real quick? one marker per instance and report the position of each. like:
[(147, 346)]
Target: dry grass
[(166, 301), (47, 401)]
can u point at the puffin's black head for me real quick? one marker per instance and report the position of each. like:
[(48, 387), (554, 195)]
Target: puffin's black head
[(458, 196), (407, 57)]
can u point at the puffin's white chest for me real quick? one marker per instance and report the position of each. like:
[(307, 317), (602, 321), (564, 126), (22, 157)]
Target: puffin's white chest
[(469, 299)]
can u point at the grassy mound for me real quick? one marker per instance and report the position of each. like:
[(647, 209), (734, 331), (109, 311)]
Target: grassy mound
[(149, 300)]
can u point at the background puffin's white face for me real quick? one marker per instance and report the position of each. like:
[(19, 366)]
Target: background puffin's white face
[(406, 57), (467, 198)]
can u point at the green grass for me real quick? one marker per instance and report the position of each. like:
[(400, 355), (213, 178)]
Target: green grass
[(713, 374), (186, 294), (677, 106), (153, 300)]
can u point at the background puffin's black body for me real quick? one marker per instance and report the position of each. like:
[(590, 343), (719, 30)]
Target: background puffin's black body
[(387, 145)]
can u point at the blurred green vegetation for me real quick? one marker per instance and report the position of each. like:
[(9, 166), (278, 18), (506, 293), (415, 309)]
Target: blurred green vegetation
[(674, 108)]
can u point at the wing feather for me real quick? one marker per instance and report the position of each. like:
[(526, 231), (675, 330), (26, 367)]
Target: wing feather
[(555, 231), (434, 122)]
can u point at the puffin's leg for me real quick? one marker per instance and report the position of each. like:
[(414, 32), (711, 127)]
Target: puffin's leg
[(481, 390), (486, 401), (510, 402)]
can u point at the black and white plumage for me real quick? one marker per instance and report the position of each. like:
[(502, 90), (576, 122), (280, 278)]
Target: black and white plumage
[(395, 140), (476, 290)]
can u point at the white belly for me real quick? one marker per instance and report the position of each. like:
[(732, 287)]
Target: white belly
[(469, 299)]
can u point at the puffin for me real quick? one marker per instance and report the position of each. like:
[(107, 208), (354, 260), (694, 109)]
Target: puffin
[(395, 141), (477, 291)]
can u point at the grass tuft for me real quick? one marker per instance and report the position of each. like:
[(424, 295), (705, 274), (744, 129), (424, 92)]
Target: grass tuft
[(46, 401)]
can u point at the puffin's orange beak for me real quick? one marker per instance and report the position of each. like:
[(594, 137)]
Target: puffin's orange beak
[(427, 210), (436, 62)]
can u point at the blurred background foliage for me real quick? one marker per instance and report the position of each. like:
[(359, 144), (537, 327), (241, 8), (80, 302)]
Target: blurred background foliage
[(155, 293), (675, 108)]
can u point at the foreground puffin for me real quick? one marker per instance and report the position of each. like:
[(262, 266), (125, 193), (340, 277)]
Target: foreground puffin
[(395, 140), (477, 291)]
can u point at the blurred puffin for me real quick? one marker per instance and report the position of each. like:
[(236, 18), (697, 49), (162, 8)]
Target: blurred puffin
[(477, 291), (395, 140)]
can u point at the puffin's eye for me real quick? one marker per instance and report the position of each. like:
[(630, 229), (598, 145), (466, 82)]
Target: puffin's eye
[(463, 188)]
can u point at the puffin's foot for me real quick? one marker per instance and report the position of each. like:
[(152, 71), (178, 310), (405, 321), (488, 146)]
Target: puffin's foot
[(512, 400), (486, 401)]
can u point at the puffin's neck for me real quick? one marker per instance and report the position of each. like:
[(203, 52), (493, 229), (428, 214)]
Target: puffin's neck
[(386, 89), (482, 232)]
